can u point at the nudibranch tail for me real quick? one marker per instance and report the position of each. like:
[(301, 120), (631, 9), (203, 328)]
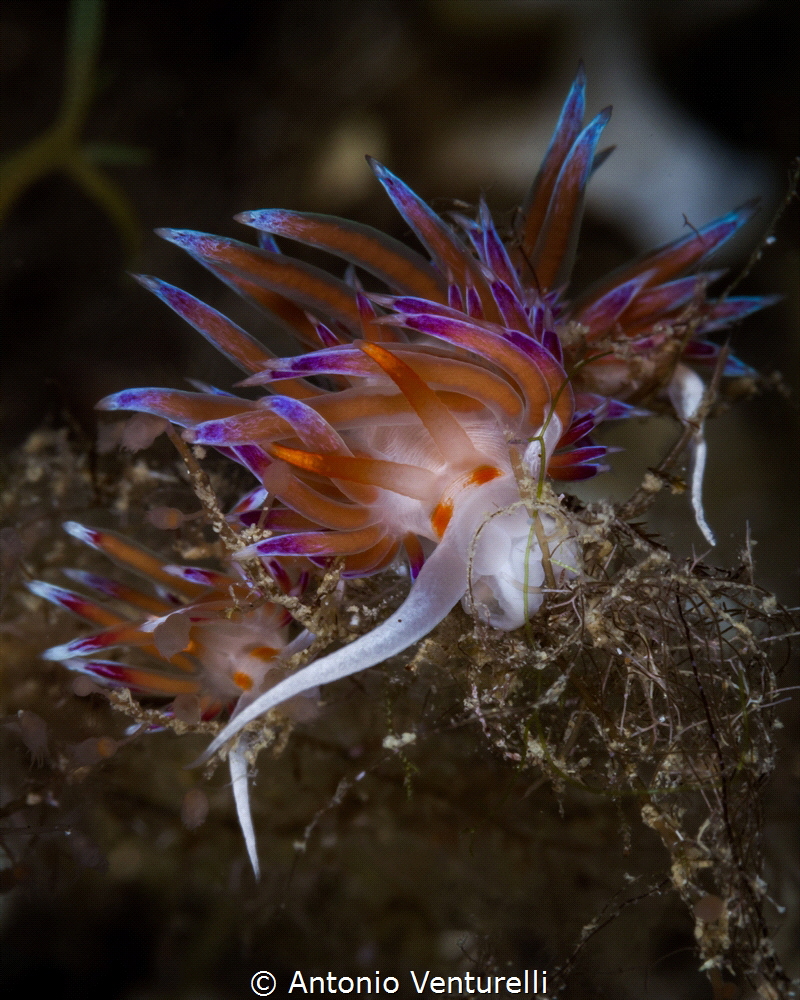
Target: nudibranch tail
[(237, 762)]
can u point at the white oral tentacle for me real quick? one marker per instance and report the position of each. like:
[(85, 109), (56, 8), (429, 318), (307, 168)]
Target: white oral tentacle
[(546, 440), (438, 587), (686, 392), (441, 583)]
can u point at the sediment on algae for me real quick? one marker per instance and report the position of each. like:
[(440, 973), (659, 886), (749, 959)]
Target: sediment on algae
[(511, 774)]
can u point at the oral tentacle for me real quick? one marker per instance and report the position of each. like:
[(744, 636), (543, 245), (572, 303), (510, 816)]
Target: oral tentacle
[(441, 583), (686, 392), (439, 586)]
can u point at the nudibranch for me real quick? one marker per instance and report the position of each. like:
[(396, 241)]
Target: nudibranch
[(406, 423), (214, 642)]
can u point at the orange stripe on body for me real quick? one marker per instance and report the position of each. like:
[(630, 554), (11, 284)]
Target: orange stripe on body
[(443, 511), (264, 652), (441, 516), (484, 474)]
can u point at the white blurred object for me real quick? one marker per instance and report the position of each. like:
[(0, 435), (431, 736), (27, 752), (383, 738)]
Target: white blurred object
[(340, 176), (666, 165)]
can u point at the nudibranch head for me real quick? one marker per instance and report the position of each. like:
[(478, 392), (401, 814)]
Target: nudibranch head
[(511, 559)]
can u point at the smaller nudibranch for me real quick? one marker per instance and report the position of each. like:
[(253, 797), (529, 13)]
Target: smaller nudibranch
[(212, 637)]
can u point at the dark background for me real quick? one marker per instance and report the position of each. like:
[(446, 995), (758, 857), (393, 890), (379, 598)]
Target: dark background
[(243, 105)]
